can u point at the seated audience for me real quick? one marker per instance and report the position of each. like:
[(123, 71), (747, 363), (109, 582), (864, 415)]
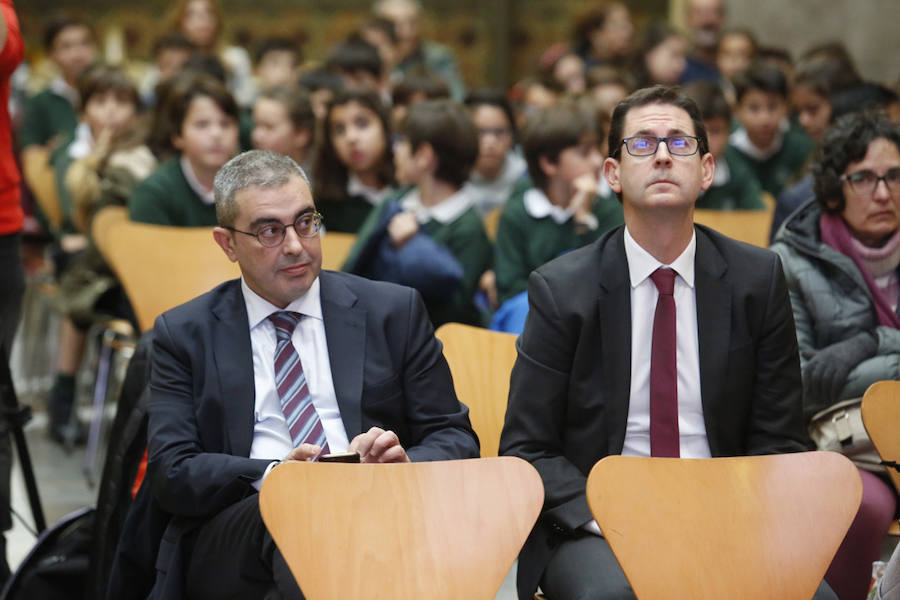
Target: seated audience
[(412, 89), (322, 87), (498, 167), (659, 55), (358, 64), (429, 236), (415, 56), (380, 32), (603, 35), (841, 254), (277, 62), (734, 185), (765, 141), (283, 121), (201, 125), (220, 414), (590, 379), (532, 95), (354, 168), (563, 210)]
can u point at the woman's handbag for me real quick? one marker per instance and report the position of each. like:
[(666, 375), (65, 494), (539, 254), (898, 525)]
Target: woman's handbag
[(839, 428)]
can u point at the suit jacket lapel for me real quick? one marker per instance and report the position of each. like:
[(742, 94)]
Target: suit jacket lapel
[(614, 308), (714, 329), (234, 366), (345, 332)]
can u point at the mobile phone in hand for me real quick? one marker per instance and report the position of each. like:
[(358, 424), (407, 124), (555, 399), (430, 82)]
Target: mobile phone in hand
[(340, 457)]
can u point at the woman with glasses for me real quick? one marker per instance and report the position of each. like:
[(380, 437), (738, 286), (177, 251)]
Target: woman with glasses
[(841, 254)]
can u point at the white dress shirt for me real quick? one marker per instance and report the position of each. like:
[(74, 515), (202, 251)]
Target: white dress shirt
[(271, 438)]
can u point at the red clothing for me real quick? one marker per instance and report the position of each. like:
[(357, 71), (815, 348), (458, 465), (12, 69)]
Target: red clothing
[(11, 215)]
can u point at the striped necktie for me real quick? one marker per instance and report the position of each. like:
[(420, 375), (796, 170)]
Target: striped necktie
[(296, 402)]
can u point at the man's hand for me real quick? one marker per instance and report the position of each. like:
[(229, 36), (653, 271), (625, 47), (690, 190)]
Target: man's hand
[(378, 446), (825, 375), (583, 199), (303, 452), (488, 283), (402, 227)]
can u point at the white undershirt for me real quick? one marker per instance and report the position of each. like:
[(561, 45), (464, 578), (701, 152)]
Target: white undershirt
[(693, 442), (271, 438)]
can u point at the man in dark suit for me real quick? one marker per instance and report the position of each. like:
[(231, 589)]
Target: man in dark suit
[(602, 371), (371, 379)]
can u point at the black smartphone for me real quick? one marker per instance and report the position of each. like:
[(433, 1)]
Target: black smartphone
[(341, 457)]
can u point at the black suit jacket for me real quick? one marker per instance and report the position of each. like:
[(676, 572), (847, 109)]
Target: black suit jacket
[(388, 371), (569, 392)]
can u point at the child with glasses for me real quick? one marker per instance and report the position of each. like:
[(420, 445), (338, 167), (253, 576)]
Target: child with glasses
[(428, 235)]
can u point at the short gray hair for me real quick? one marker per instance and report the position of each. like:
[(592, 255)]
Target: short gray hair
[(254, 168)]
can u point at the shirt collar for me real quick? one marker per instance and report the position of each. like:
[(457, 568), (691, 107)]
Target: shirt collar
[(374, 196), (259, 309), (641, 263), (207, 196), (59, 87), (444, 212), (538, 206), (740, 140)]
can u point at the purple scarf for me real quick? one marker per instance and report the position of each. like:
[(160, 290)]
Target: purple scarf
[(836, 234)]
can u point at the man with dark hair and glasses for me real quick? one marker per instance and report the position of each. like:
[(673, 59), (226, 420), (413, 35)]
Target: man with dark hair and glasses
[(286, 363), (662, 338)]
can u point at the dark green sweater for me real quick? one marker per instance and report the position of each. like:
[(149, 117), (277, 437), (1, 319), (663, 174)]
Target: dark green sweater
[(741, 192), (47, 115), (347, 214), (166, 198), (467, 241), (780, 168), (525, 243)]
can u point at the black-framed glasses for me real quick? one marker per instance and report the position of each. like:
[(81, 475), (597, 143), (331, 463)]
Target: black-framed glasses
[(865, 181), (272, 234), (677, 145)]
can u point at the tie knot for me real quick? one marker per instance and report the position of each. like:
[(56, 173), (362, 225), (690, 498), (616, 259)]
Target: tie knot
[(285, 322), (664, 279)]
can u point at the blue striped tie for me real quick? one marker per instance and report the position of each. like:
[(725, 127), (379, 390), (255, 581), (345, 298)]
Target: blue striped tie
[(296, 402)]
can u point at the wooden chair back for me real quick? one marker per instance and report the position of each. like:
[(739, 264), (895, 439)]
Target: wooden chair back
[(437, 530), (160, 267), (335, 249), (41, 180), (481, 362), (742, 528), (881, 417), (492, 222), (751, 226)]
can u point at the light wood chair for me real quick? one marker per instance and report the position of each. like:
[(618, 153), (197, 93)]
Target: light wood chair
[(335, 249), (751, 226), (492, 223), (41, 180), (160, 267), (481, 362), (437, 530), (881, 417), (755, 527)]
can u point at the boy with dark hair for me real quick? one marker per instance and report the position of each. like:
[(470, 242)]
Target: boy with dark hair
[(561, 210), (70, 44), (322, 87), (428, 235), (358, 63), (276, 62), (734, 185), (765, 141)]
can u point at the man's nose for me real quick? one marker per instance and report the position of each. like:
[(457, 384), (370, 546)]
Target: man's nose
[(662, 153), (293, 243)]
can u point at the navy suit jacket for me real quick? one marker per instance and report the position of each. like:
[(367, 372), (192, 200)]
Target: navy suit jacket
[(388, 371), (570, 387)]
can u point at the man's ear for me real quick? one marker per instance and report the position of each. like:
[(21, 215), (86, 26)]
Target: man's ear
[(707, 170), (611, 172), (549, 167), (225, 240)]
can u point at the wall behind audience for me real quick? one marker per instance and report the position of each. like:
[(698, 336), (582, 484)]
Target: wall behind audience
[(869, 29)]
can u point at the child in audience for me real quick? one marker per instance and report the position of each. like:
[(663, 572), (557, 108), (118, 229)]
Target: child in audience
[(429, 236), (564, 66), (765, 141), (277, 61), (736, 52), (358, 64), (170, 53), (322, 87), (354, 168), (201, 123), (659, 56), (607, 86), (816, 80), (412, 89), (283, 121), (734, 186), (498, 167), (563, 210), (533, 94)]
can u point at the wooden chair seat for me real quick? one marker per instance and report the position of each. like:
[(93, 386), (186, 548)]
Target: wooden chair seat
[(437, 530)]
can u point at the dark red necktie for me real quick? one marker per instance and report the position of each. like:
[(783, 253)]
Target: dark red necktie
[(663, 370)]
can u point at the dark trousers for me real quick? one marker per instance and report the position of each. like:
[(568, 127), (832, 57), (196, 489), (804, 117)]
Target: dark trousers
[(233, 556), (585, 568), (13, 276)]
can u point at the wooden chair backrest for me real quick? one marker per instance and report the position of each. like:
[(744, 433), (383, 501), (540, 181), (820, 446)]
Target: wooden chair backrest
[(437, 530), (41, 180), (741, 528), (335, 249), (481, 362), (160, 267), (492, 223), (751, 226), (881, 417)]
